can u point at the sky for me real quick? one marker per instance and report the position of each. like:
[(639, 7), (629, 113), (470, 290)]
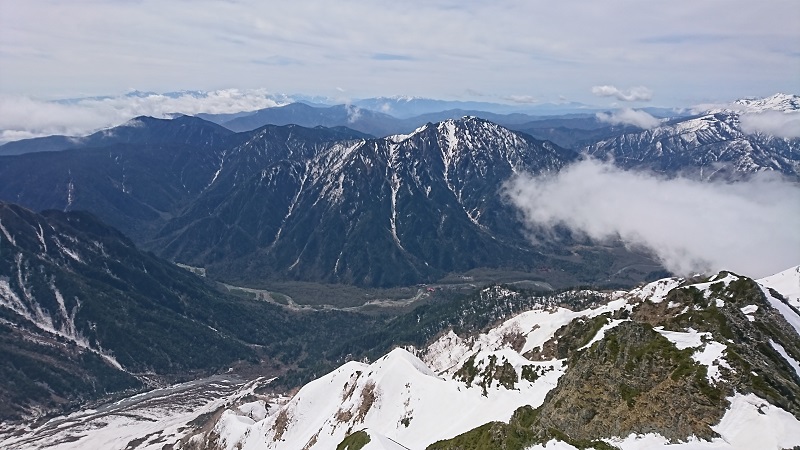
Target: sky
[(660, 53)]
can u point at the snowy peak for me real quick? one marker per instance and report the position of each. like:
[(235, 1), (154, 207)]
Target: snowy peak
[(779, 102), (719, 144), (397, 398), (784, 103)]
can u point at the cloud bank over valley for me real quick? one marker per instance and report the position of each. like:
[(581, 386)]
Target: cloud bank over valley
[(748, 227)]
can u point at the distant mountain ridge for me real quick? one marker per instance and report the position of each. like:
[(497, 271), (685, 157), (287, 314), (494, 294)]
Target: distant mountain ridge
[(186, 130), (707, 146), (779, 102)]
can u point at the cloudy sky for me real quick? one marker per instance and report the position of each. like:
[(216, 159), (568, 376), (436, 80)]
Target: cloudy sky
[(661, 53)]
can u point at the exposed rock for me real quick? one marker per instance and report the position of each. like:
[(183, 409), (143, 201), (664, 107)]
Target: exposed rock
[(633, 381)]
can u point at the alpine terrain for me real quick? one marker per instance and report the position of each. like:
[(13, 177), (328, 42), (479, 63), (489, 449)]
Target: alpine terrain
[(305, 278), (707, 362)]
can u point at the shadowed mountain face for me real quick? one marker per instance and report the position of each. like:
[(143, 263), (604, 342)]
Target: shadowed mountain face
[(84, 313), (134, 178), (376, 212)]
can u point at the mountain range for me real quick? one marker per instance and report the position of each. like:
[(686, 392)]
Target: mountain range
[(335, 205), (314, 204)]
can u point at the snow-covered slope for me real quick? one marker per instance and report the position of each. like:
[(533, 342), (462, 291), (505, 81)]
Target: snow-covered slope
[(152, 420), (787, 283), (397, 397)]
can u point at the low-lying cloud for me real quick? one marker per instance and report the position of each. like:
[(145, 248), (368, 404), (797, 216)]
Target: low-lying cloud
[(774, 123), (747, 227), (634, 94), (628, 116), (353, 113), (26, 117)]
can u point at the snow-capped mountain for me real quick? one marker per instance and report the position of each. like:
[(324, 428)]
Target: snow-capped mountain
[(711, 145), (703, 363), (784, 103)]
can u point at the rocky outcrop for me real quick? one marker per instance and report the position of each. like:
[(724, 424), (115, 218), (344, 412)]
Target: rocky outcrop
[(633, 381)]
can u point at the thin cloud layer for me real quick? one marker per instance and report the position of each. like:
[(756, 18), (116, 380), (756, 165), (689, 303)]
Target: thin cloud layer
[(435, 48), (634, 94), (521, 99), (628, 116), (747, 227), (25, 117)]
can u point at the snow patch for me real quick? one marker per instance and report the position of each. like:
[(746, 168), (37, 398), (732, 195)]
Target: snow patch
[(657, 291), (712, 356), (751, 422), (601, 333), (7, 235), (748, 311), (705, 288), (709, 353), (688, 339)]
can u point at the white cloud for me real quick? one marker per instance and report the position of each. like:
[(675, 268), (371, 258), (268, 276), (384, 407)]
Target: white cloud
[(747, 227), (23, 117), (774, 123), (634, 94), (628, 116)]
